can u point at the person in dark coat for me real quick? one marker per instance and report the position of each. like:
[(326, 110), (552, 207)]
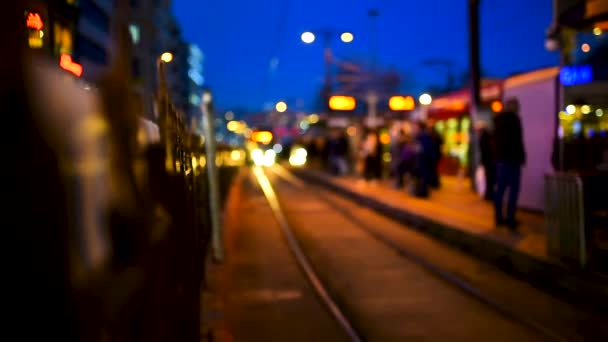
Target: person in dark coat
[(486, 149), (424, 160), (510, 157), (437, 142)]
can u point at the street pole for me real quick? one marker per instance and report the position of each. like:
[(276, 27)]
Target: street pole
[(328, 56), (164, 119), (475, 86), (213, 177), (372, 97)]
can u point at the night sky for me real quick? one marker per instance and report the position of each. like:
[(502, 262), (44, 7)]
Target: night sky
[(241, 38)]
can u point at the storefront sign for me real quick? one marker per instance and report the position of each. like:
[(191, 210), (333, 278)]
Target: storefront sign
[(66, 63), (579, 74), (34, 21)]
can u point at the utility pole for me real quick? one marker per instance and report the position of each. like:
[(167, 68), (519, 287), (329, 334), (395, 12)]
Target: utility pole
[(475, 83), (372, 97)]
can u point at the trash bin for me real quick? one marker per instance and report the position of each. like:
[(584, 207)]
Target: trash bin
[(565, 217)]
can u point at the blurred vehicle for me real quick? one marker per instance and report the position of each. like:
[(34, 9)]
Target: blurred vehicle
[(260, 148)]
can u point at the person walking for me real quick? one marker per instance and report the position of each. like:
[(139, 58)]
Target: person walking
[(510, 157)]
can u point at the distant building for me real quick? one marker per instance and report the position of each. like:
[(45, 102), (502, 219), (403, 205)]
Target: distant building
[(93, 41), (50, 26)]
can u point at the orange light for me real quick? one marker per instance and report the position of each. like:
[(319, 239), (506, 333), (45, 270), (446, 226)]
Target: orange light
[(262, 137), (66, 63), (398, 103), (351, 131), (586, 48), (459, 105), (496, 106), (385, 138), (34, 21), (342, 103)]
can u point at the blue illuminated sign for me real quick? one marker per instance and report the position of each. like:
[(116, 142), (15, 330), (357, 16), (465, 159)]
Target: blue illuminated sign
[(579, 74)]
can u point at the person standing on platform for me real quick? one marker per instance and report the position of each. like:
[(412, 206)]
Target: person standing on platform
[(486, 149), (510, 157)]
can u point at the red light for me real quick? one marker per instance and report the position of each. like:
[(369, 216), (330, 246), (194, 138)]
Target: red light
[(34, 21), (66, 63)]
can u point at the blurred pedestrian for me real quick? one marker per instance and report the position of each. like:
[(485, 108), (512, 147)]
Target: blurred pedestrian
[(510, 157), (488, 160), (435, 155), (369, 153), (423, 160)]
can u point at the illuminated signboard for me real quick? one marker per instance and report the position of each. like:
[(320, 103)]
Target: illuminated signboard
[(579, 74), (66, 63), (34, 21)]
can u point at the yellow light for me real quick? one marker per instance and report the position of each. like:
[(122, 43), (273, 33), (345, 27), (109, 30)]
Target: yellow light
[(233, 126), (351, 131), (263, 137), (166, 57), (571, 109), (398, 103), (599, 112), (386, 157), (585, 109), (313, 118), (298, 157), (385, 138), (347, 37), (597, 31), (342, 103), (35, 42), (194, 162), (281, 107), (563, 115), (308, 37), (235, 155), (496, 106), (586, 48), (425, 99), (41, 34)]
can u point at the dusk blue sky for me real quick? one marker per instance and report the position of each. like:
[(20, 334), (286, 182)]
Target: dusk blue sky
[(240, 38)]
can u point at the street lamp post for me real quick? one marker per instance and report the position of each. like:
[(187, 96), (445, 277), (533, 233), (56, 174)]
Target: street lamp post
[(163, 110), (213, 176), (309, 37)]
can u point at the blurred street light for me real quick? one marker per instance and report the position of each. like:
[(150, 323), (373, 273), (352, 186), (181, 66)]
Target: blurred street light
[(597, 31), (347, 37), (342, 103), (281, 107), (400, 103), (585, 47), (425, 99), (166, 57), (308, 37)]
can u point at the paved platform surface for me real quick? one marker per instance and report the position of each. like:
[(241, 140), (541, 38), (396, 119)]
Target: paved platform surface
[(455, 204), (456, 215)]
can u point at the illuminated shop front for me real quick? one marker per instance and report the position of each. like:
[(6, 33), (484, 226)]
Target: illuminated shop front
[(451, 117)]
